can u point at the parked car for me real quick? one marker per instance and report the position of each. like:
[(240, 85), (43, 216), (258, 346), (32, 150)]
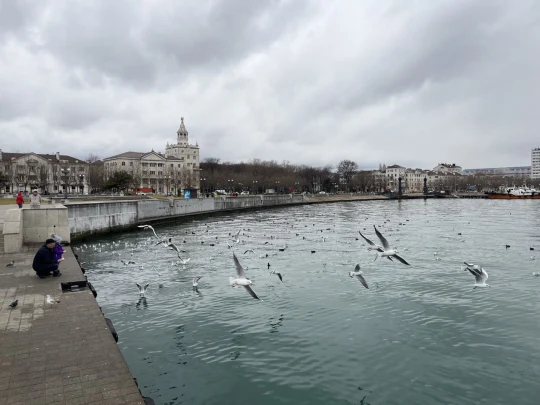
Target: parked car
[(244, 193), (141, 193)]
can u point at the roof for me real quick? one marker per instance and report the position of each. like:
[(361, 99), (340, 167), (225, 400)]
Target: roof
[(395, 167), (128, 155), (8, 156)]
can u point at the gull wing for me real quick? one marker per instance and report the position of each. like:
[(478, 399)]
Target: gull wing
[(174, 247), (237, 234), (239, 269), (251, 292), (357, 267), (249, 250), (362, 280), (477, 276), (367, 240), (146, 286), (140, 288), (484, 275), (383, 240), (402, 260), (280, 277)]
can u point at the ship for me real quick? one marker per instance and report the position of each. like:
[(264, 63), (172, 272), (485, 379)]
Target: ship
[(515, 193)]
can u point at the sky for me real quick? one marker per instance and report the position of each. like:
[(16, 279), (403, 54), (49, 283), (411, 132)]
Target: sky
[(413, 82)]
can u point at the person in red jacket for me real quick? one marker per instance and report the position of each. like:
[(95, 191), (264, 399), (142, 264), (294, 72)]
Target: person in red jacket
[(19, 200)]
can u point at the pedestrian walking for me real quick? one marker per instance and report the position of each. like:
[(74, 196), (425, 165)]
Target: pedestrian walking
[(20, 199)]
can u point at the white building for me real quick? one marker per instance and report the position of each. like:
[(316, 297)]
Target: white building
[(49, 173), (535, 163), (414, 180), (175, 170), (393, 173), (447, 168)]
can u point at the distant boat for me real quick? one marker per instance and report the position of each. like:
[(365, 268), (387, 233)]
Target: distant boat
[(515, 193)]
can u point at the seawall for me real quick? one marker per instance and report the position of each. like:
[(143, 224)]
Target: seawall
[(113, 216)]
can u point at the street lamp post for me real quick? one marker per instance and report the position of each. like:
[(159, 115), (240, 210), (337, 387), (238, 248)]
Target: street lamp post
[(277, 186), (204, 184), (231, 184), (65, 172), (256, 186), (81, 183)]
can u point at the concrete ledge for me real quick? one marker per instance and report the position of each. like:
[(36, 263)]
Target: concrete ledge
[(13, 231), (39, 223)]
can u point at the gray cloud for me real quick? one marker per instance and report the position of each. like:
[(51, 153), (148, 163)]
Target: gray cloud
[(308, 82)]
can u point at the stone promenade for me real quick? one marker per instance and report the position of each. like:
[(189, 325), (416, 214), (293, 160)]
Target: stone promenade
[(56, 354)]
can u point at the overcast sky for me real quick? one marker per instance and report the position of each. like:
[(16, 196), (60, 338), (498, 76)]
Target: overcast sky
[(312, 82)]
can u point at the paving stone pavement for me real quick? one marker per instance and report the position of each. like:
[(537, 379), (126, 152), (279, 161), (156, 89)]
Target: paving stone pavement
[(56, 354)]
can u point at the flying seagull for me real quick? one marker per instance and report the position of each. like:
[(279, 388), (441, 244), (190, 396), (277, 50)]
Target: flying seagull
[(142, 290), (52, 301), (373, 246), (196, 281), (241, 278), (11, 263), (480, 275), (184, 261), (237, 237), (387, 250), (249, 251), (145, 227), (278, 274), (14, 304), (358, 274)]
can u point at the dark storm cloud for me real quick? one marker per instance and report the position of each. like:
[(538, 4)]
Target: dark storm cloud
[(304, 81)]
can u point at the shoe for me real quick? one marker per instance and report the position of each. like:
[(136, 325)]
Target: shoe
[(56, 274), (41, 276)]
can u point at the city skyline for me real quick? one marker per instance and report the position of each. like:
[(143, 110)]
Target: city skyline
[(308, 82)]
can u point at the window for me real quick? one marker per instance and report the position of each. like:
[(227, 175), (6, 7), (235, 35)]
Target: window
[(145, 164), (81, 168), (160, 165), (152, 165), (152, 172), (131, 164), (145, 172), (123, 163), (160, 173)]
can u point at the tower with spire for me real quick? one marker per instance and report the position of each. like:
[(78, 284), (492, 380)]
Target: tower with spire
[(184, 156)]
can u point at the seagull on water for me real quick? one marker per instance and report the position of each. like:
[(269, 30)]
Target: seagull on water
[(358, 274), (241, 279), (127, 262), (387, 250), (277, 274), (184, 261), (52, 301), (480, 275), (142, 290), (249, 251), (373, 246), (536, 274), (237, 237)]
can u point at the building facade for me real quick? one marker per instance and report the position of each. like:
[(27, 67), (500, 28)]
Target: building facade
[(499, 171), (393, 173), (166, 173), (48, 173), (535, 163), (447, 168)]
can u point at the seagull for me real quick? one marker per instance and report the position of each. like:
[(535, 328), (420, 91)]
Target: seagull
[(172, 246), (127, 262), (387, 250), (479, 274), (14, 304), (358, 274), (166, 242), (11, 263), (237, 237), (241, 279), (532, 257), (184, 261), (196, 281), (536, 274), (249, 251), (277, 274), (373, 246), (283, 248), (52, 301), (142, 290), (145, 227)]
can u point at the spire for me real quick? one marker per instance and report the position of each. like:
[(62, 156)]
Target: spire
[(182, 133)]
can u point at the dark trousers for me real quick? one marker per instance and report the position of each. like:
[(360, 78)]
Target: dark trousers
[(47, 269), (20, 205)]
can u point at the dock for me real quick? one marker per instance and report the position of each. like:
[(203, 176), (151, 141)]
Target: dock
[(61, 353)]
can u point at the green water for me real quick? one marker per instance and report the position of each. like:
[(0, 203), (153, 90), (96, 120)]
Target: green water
[(419, 335)]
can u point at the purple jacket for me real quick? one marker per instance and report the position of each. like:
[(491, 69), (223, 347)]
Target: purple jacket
[(58, 251)]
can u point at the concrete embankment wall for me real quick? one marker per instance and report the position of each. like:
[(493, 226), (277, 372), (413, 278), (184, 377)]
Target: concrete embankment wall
[(100, 217)]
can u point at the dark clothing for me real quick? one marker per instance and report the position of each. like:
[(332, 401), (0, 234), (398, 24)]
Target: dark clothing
[(44, 261)]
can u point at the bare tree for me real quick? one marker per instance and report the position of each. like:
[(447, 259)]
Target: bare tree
[(92, 158), (96, 176), (346, 169)]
